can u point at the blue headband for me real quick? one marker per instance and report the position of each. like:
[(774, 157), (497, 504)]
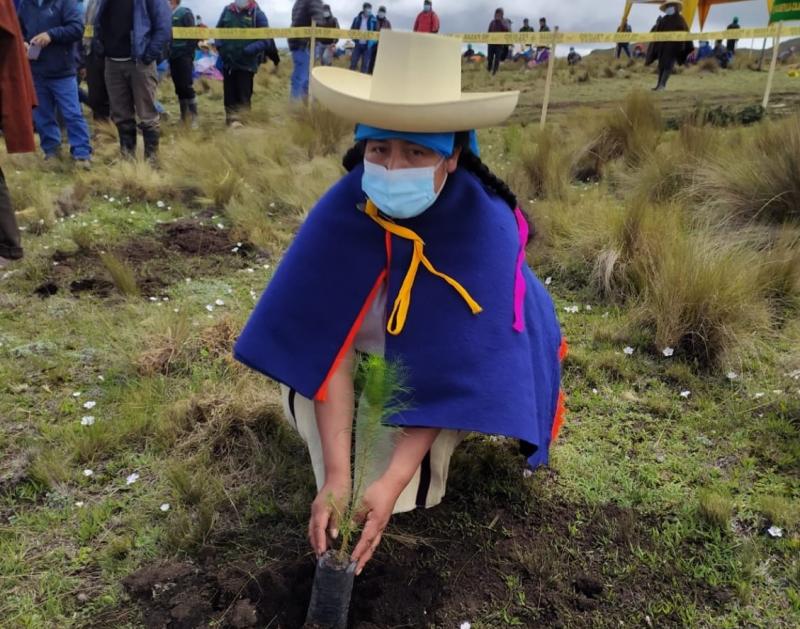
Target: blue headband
[(442, 143)]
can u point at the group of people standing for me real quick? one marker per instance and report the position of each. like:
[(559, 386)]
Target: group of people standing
[(501, 24)]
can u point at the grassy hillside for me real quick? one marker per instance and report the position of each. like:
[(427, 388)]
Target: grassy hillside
[(146, 479)]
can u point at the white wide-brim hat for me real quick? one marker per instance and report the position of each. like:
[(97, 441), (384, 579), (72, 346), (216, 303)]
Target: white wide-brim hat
[(416, 87), (678, 3)]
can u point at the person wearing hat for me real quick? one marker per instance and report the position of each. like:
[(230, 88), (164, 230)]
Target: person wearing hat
[(383, 24), (731, 43), (669, 53), (574, 57), (417, 255), (304, 12), (427, 21)]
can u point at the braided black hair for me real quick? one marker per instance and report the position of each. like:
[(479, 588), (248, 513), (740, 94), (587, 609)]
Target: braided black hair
[(467, 160)]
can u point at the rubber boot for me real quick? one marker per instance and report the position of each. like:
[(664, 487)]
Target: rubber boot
[(150, 137), (127, 138), (192, 103), (184, 104)]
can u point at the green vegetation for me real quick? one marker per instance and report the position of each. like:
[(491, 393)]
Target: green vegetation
[(129, 437)]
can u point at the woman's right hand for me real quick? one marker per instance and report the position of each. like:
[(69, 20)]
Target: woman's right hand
[(331, 501)]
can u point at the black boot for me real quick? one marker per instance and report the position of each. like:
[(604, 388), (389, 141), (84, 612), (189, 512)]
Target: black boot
[(150, 137), (193, 112), (127, 138), (184, 104)]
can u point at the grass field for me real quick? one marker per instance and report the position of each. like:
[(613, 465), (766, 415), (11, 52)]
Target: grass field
[(146, 479)]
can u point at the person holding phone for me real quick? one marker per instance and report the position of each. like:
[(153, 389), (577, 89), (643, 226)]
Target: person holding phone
[(51, 29)]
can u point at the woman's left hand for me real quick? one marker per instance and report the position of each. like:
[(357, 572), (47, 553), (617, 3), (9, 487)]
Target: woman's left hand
[(377, 505)]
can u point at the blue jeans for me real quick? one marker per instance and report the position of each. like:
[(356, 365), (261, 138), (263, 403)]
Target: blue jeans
[(301, 60), (361, 52), (61, 95)]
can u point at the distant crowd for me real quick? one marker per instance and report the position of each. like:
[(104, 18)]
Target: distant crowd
[(131, 49)]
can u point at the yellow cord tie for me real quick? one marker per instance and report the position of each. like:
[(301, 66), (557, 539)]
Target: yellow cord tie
[(397, 320)]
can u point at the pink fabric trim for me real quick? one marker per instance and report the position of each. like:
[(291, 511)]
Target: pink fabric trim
[(519, 282)]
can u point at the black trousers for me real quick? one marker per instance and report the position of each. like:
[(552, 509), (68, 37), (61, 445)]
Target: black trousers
[(495, 57), (96, 82), (10, 243), (181, 69), (237, 87), (665, 67)]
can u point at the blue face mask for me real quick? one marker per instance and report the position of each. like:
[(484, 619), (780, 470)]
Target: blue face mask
[(402, 193), (670, 11)]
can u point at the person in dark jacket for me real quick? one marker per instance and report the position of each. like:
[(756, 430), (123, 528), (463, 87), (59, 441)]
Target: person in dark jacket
[(95, 68), (624, 46), (303, 13), (383, 24), (181, 64), (364, 21), (52, 29), (731, 43), (497, 25), (133, 36), (326, 46), (240, 58), (526, 26), (669, 53), (17, 100)]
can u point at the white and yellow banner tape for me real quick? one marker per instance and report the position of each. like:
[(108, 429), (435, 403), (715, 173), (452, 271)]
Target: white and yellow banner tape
[(543, 39)]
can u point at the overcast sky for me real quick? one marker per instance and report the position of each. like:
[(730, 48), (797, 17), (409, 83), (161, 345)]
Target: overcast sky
[(475, 15)]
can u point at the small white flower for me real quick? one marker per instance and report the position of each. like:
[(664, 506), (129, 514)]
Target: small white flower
[(526, 473), (465, 625), (220, 226), (87, 420), (154, 299), (668, 352), (165, 299), (628, 351), (732, 375), (595, 391), (548, 281), (272, 204), (777, 391), (76, 394), (235, 250), (111, 199), (132, 478), (685, 394), (588, 308), (250, 270), (164, 507), (79, 503), (209, 307), (188, 279), (89, 405), (758, 396), (175, 310), (775, 531), (101, 378), (266, 266), (571, 309), (88, 472), (239, 244), (219, 302), (160, 204)]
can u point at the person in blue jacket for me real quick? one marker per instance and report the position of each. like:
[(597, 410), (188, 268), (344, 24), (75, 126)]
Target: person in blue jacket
[(240, 58), (417, 255), (364, 21), (133, 36), (52, 29)]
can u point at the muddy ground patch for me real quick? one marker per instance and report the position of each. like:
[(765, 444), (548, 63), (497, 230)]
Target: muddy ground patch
[(529, 559)]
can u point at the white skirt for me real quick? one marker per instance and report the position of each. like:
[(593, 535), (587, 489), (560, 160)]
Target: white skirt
[(426, 489)]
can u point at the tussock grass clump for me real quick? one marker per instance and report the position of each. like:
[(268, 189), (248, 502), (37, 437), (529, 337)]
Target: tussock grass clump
[(715, 509), (761, 182), (542, 165), (319, 131), (134, 178), (629, 131), (122, 275), (779, 511), (703, 295)]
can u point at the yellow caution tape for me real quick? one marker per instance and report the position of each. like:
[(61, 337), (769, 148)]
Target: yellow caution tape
[(539, 39)]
